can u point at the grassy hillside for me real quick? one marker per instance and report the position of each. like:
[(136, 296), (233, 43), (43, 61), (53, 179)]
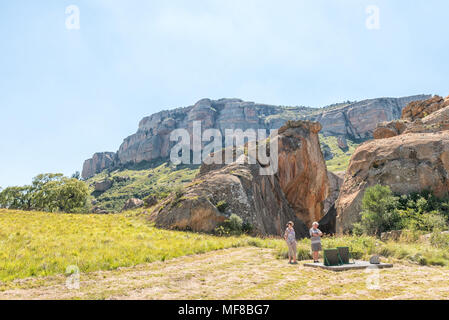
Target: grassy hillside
[(340, 160), (132, 183), (42, 244)]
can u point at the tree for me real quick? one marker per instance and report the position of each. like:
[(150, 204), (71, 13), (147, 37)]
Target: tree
[(379, 212), (76, 175), (48, 192), (16, 198)]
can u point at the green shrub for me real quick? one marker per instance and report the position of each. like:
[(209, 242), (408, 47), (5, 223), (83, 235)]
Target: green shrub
[(382, 212), (440, 240), (222, 206), (221, 231), (232, 226), (178, 193), (426, 222), (379, 214)]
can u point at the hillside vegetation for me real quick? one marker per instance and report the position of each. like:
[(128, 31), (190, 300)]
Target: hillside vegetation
[(340, 158), (131, 183)]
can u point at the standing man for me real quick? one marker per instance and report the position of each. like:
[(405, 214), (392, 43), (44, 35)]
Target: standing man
[(315, 235)]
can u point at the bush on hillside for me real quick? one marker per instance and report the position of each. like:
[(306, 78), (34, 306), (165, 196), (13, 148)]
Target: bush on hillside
[(382, 211), (233, 226), (378, 211)]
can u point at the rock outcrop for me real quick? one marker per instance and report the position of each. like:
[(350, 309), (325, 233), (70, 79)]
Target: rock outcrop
[(358, 120), (132, 204), (103, 185), (152, 139), (418, 117), (413, 160), (98, 163), (329, 221), (335, 182), (267, 202), (421, 109)]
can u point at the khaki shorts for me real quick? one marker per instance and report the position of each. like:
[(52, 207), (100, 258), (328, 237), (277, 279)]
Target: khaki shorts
[(316, 247), (291, 249)]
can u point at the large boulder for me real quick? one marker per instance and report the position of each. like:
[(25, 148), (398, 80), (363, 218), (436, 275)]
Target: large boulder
[(267, 202), (103, 185), (407, 163), (408, 155), (132, 204)]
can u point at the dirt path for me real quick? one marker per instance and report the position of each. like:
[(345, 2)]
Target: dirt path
[(245, 273)]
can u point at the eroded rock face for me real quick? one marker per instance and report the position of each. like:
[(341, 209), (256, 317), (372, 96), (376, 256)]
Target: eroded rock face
[(98, 163), (421, 109), (358, 120), (329, 221), (418, 117), (295, 193), (302, 170), (335, 182), (409, 155), (152, 139), (407, 163)]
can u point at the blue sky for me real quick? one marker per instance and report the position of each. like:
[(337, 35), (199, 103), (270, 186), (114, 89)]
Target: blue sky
[(65, 94)]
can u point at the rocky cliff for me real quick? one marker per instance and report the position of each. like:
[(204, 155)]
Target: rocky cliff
[(357, 121), (151, 141), (409, 156), (296, 192)]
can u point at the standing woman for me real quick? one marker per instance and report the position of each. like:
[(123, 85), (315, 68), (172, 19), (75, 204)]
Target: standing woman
[(290, 238), (315, 235)]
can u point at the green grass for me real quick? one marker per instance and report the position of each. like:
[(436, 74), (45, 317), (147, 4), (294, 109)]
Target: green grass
[(340, 162), (42, 244), (363, 247), (159, 181)]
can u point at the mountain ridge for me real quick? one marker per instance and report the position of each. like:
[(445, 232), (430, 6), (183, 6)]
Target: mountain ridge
[(355, 121)]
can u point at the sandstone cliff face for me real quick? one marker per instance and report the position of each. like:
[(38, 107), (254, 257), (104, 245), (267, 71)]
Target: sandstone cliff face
[(295, 193), (407, 156), (98, 163), (358, 120), (152, 140), (421, 109), (302, 170), (335, 182), (427, 116)]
